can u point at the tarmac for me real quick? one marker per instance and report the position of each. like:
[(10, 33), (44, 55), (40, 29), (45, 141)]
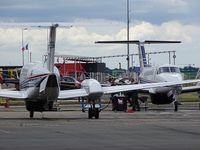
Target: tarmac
[(67, 129)]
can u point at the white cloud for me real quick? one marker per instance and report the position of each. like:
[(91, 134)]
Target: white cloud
[(172, 6), (80, 41)]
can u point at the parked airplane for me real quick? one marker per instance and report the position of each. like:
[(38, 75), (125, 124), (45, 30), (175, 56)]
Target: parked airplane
[(156, 74), (39, 85)]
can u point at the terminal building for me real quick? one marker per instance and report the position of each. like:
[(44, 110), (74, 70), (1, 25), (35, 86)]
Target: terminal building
[(74, 66)]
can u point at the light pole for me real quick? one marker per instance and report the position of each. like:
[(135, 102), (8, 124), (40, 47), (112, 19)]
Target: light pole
[(23, 48), (128, 21)]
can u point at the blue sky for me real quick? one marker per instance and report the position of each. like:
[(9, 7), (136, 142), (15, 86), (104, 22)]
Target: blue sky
[(98, 20)]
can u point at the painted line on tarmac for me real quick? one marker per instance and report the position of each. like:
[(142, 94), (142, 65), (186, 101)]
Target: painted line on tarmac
[(4, 131)]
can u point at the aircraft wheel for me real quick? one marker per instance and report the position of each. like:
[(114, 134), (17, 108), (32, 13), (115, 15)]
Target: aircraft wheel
[(175, 106), (96, 113), (90, 113), (31, 114)]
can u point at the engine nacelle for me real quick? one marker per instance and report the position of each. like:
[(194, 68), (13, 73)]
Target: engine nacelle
[(161, 98), (93, 88)]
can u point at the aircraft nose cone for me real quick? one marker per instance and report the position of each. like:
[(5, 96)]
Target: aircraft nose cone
[(171, 78), (174, 78)]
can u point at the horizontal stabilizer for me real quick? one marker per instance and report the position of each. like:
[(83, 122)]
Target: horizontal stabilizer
[(137, 42), (160, 42), (117, 42)]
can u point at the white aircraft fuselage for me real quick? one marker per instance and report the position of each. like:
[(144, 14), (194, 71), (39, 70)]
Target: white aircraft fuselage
[(41, 85), (43, 88), (39, 81), (163, 73)]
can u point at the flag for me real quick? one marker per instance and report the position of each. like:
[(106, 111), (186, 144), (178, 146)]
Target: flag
[(26, 47)]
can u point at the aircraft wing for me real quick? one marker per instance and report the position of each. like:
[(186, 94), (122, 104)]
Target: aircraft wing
[(13, 94), (124, 88), (190, 89), (190, 81), (64, 94)]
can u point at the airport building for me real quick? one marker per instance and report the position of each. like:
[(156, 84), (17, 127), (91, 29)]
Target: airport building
[(81, 71)]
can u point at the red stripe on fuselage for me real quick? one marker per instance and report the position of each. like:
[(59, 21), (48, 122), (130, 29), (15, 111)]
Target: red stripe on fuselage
[(39, 75)]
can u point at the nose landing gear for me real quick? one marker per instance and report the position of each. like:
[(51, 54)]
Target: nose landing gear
[(93, 112), (93, 107)]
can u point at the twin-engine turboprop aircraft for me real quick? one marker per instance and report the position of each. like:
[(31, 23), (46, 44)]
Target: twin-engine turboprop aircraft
[(39, 85), (156, 74)]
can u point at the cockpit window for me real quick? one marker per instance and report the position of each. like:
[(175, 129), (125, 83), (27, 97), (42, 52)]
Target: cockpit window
[(163, 70), (175, 69), (168, 69)]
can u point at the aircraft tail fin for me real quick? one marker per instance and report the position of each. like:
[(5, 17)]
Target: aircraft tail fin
[(142, 56), (141, 49), (144, 59), (51, 48)]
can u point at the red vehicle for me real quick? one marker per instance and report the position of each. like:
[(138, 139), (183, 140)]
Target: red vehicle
[(68, 83)]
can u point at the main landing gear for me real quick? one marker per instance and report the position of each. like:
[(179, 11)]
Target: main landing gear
[(93, 112), (176, 104), (38, 106)]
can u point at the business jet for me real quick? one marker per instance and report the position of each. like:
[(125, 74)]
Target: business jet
[(156, 74)]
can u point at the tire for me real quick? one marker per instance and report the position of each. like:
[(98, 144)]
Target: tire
[(31, 114), (90, 113), (50, 105), (96, 113), (175, 106)]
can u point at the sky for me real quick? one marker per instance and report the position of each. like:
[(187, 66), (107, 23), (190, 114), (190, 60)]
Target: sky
[(92, 20)]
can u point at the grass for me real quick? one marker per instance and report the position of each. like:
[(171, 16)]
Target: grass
[(189, 97)]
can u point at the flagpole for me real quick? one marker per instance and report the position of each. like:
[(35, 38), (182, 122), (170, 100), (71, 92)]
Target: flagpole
[(29, 52), (22, 47)]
